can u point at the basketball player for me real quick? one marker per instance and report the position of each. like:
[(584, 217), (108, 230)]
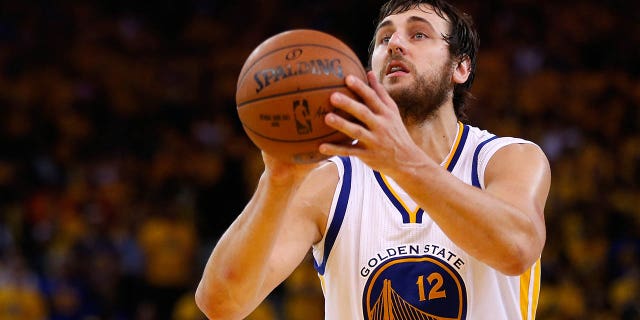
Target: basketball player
[(424, 217)]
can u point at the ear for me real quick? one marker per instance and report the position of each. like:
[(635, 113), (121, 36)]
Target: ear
[(462, 70)]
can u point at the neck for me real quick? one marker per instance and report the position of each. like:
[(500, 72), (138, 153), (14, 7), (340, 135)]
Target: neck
[(436, 135)]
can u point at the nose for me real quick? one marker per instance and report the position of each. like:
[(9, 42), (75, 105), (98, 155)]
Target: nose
[(396, 44)]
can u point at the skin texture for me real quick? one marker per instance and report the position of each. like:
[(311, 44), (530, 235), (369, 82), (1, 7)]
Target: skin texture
[(406, 141)]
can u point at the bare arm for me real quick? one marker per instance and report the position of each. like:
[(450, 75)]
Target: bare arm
[(502, 225), (268, 240)]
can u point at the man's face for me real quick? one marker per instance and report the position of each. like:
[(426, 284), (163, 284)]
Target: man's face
[(412, 61)]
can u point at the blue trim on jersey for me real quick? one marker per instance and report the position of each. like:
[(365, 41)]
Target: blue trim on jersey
[(475, 180), (338, 215), (405, 215), (419, 215), (458, 152)]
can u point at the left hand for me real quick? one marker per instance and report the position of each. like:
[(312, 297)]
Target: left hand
[(383, 141)]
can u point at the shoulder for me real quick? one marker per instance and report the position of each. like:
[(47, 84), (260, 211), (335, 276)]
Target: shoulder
[(315, 196), (519, 149), (490, 147), (326, 174), (519, 159)]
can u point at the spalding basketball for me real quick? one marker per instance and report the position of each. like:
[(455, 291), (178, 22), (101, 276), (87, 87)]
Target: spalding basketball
[(283, 92)]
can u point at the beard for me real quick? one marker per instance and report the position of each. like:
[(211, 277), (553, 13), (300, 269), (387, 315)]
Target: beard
[(420, 101)]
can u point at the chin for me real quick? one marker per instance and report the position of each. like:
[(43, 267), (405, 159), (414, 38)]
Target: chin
[(395, 84), (393, 81)]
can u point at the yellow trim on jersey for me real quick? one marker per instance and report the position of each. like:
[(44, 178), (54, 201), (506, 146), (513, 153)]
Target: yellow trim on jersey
[(413, 214), (536, 289), (322, 284), (530, 291), (455, 145)]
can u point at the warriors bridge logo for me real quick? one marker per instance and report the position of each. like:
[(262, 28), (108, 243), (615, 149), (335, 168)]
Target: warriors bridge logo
[(414, 287)]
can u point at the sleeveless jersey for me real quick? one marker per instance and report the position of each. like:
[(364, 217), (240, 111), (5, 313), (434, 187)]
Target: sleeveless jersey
[(382, 257)]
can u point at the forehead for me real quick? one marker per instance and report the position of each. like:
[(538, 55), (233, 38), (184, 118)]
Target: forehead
[(422, 13)]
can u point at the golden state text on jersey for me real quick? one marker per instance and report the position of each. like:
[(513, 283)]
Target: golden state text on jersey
[(413, 287)]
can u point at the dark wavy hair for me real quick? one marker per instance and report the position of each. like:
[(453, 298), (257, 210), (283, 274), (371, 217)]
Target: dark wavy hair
[(463, 40)]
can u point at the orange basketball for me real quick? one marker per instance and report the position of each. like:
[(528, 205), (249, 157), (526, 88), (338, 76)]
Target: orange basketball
[(283, 92)]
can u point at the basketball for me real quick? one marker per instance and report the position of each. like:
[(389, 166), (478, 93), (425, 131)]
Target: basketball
[(283, 92)]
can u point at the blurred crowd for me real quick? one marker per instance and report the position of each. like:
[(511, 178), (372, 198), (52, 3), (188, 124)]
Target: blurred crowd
[(122, 160)]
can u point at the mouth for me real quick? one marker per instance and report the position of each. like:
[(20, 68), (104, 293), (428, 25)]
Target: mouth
[(396, 68)]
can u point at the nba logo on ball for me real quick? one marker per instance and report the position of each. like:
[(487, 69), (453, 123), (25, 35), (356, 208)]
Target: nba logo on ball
[(283, 92), (303, 119)]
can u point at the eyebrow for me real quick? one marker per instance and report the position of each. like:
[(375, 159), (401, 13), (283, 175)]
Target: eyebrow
[(411, 19)]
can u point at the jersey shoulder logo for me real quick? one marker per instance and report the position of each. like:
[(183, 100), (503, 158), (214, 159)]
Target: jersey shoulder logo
[(414, 287)]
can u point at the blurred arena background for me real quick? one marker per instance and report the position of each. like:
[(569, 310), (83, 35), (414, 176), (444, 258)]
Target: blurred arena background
[(122, 160)]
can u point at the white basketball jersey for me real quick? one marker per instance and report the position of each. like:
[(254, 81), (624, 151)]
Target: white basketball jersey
[(382, 257)]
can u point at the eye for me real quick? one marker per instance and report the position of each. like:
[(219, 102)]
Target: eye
[(384, 39), (420, 36)]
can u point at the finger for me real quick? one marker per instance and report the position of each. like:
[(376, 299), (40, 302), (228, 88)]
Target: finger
[(379, 89), (366, 93), (353, 130), (353, 107), (331, 149)]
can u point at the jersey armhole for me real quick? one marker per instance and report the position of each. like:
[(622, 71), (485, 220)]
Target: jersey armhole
[(485, 152), (322, 249)]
